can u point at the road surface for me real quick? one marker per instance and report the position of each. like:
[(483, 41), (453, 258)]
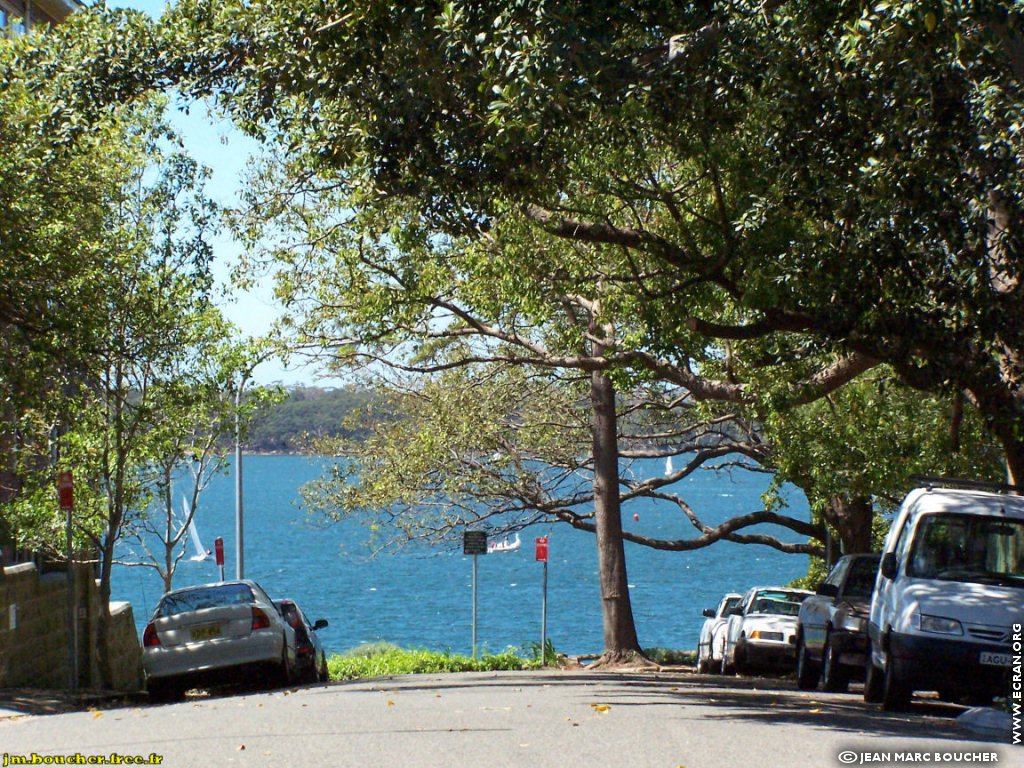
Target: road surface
[(561, 719)]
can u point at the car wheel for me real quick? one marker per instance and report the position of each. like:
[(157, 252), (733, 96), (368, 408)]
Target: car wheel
[(324, 675), (834, 676), (806, 672), (872, 682), (284, 671), (741, 660), (164, 691), (726, 668), (895, 693), (703, 662)]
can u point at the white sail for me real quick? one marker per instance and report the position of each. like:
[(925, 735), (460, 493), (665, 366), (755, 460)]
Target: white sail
[(199, 552), (668, 466)]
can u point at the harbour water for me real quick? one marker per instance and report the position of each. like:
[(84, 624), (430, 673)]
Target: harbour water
[(423, 599)]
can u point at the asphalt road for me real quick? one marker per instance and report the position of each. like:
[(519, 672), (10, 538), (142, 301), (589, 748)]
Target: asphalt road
[(549, 718)]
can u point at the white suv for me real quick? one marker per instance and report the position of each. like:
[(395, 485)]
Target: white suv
[(950, 586)]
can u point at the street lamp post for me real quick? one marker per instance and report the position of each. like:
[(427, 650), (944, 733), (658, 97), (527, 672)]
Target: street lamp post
[(239, 525)]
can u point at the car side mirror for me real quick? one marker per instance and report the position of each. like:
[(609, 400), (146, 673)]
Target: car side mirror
[(709, 612), (889, 566), (320, 624), (827, 590)]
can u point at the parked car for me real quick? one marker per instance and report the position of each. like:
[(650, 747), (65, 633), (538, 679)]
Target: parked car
[(832, 626), (950, 587), (215, 633), (763, 632), (312, 660), (711, 642)]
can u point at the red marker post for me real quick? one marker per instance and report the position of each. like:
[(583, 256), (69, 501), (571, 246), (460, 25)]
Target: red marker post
[(541, 556), (218, 553)]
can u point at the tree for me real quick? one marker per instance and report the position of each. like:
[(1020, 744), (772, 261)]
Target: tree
[(838, 178)]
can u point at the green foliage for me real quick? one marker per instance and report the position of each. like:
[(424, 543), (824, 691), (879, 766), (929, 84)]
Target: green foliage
[(384, 659), (308, 414)]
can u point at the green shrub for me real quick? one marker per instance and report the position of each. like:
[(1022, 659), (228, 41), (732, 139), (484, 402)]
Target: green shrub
[(386, 659), (668, 657)]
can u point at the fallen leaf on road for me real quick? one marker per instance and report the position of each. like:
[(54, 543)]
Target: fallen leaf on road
[(602, 708), (240, 748), (815, 711), (391, 703), (96, 714)]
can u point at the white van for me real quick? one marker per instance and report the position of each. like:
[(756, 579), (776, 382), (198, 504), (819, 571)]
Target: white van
[(949, 589)]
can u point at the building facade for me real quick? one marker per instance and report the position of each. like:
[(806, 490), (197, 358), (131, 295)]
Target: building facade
[(19, 16)]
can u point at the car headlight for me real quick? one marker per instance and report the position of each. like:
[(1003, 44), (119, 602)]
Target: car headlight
[(939, 625), (760, 634)]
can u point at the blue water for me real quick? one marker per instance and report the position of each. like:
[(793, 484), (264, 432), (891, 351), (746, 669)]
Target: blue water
[(424, 599)]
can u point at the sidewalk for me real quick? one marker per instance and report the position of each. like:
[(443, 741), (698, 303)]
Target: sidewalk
[(20, 702)]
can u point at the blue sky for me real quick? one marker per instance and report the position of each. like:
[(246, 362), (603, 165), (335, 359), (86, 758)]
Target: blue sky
[(216, 144)]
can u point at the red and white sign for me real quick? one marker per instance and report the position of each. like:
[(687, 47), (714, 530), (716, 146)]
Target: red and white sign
[(218, 550), (66, 490), (542, 549)]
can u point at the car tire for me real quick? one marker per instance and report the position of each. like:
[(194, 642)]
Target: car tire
[(322, 673), (895, 693), (835, 678), (741, 659), (726, 668), (806, 672), (284, 670), (873, 682), (164, 691)]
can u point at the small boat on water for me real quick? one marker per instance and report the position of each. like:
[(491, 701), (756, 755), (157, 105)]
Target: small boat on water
[(504, 545), (668, 466), (199, 552)]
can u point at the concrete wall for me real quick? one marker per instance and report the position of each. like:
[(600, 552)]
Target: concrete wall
[(34, 644)]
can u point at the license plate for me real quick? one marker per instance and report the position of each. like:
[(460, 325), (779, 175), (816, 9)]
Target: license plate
[(995, 659), (213, 630)]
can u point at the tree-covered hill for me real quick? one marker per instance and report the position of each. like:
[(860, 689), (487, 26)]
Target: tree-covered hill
[(308, 412)]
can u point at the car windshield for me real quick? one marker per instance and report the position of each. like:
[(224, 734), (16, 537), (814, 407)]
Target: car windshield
[(204, 597), (730, 604), (972, 548), (861, 581), (777, 604)]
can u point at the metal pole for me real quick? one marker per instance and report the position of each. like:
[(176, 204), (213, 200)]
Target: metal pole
[(474, 605), (239, 527), (72, 618), (544, 616)]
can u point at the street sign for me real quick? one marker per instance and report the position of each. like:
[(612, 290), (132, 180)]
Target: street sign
[(218, 550), (66, 490), (542, 549), (474, 543)]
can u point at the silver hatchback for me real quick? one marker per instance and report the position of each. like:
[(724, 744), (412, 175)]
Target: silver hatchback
[(228, 631)]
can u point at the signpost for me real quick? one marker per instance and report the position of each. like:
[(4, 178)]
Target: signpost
[(474, 543), (66, 498), (542, 557), (218, 553)]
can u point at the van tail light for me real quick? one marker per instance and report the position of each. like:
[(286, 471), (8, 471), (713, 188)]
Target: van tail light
[(150, 637), (260, 620)]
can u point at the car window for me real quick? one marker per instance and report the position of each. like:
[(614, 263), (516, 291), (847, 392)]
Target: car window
[(204, 597), (730, 604), (861, 581), (970, 548), (838, 572)]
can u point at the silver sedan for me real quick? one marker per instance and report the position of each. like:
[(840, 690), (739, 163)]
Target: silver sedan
[(216, 633)]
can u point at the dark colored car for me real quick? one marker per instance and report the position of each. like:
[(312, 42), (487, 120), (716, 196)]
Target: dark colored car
[(832, 637), (312, 660)]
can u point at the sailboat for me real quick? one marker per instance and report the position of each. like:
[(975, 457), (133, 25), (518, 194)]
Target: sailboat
[(668, 466), (199, 552), (504, 545)]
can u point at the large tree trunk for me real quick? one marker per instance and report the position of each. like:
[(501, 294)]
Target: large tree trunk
[(621, 646), (852, 520)]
